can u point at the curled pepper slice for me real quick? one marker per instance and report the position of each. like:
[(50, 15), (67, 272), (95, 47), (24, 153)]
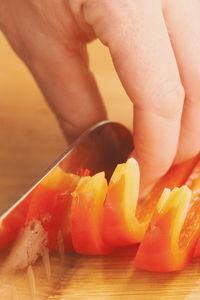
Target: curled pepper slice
[(87, 215), (169, 242), (125, 218), (50, 203), (120, 227)]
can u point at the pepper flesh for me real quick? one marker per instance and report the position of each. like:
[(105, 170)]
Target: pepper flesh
[(120, 226), (169, 242), (50, 203), (87, 215), (125, 218)]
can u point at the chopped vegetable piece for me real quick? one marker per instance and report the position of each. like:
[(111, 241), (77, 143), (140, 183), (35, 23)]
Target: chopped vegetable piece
[(93, 217), (87, 215), (175, 177), (194, 221), (50, 203), (120, 226), (169, 242), (160, 249), (191, 227), (125, 220)]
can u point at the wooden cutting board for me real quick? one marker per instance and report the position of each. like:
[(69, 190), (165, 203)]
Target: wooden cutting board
[(30, 140)]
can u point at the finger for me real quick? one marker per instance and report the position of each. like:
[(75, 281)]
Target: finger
[(53, 47), (139, 44), (70, 89), (183, 21)]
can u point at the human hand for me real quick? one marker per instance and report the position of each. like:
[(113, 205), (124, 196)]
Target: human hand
[(155, 49)]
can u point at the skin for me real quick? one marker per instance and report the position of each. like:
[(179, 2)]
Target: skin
[(155, 47)]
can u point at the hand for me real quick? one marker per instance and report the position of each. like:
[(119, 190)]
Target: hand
[(155, 49)]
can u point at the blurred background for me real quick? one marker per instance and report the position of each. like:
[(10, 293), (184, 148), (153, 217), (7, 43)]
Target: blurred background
[(30, 138)]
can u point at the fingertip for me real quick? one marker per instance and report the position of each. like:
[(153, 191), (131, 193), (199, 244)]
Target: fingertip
[(145, 185), (151, 170)]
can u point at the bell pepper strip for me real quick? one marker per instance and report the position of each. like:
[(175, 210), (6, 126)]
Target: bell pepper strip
[(169, 242), (50, 203), (191, 227), (194, 184), (175, 177), (87, 215), (160, 249), (125, 218), (120, 227)]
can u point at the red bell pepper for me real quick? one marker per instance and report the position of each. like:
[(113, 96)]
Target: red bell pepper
[(125, 220), (87, 215), (194, 184), (169, 242), (120, 227), (50, 203), (175, 177)]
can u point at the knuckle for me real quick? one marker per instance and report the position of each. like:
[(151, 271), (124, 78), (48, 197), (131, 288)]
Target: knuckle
[(99, 14), (109, 21)]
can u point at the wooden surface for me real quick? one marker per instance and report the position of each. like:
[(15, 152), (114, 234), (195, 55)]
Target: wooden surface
[(30, 139)]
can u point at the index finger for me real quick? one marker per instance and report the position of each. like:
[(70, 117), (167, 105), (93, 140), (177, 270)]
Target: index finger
[(137, 37)]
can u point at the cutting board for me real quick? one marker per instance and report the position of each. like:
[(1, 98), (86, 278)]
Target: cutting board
[(30, 140)]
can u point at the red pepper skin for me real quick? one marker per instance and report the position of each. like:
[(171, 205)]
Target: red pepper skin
[(159, 250), (175, 177), (194, 184), (125, 218), (120, 227), (169, 242), (87, 216), (50, 203)]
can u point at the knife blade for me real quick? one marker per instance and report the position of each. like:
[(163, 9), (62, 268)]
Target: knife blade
[(100, 148)]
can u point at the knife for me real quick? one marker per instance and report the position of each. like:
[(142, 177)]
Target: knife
[(100, 148)]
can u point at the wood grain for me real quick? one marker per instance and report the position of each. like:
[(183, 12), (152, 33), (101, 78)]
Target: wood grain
[(30, 140)]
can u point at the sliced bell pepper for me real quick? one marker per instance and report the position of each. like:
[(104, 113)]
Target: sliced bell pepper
[(87, 215), (50, 203), (175, 177), (159, 250), (169, 242), (120, 227), (125, 218), (194, 184)]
